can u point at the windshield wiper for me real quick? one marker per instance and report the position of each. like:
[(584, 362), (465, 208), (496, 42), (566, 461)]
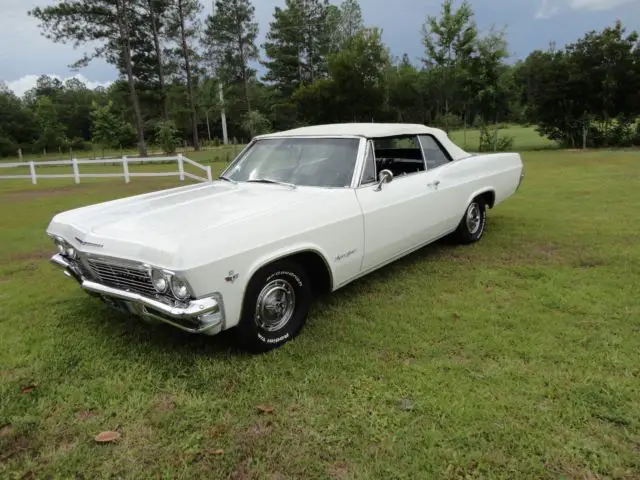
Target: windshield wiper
[(269, 180), (227, 179)]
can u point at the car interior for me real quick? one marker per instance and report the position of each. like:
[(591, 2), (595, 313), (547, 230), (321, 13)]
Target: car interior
[(404, 155)]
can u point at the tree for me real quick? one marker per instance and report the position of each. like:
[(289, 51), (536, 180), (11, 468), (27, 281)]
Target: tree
[(350, 21), (230, 36), (156, 11), (107, 129), (106, 23), (406, 92), (183, 27), (51, 132), (586, 94), (297, 45), (256, 123), (449, 44), (487, 89), (18, 128), (357, 83)]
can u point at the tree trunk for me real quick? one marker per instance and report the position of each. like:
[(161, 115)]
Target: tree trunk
[(126, 52), (156, 42), (223, 116), (187, 65), (206, 113), (245, 80)]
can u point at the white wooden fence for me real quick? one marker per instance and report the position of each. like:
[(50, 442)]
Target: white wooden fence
[(124, 161)]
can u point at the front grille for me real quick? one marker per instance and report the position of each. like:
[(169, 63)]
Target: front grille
[(129, 277)]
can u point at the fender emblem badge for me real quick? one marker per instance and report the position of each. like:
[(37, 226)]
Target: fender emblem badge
[(88, 244), (232, 277)]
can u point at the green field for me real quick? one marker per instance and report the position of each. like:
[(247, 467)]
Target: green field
[(517, 357)]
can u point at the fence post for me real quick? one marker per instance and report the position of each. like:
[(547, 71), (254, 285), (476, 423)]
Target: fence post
[(125, 168), (20, 154), (76, 171), (209, 176), (180, 167), (32, 170)]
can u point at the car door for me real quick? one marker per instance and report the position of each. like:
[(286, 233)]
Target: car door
[(448, 179), (399, 215)]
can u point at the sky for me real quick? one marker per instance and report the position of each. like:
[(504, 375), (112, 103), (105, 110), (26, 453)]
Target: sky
[(529, 24)]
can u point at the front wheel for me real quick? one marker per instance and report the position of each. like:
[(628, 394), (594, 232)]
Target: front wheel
[(275, 306), (472, 225)]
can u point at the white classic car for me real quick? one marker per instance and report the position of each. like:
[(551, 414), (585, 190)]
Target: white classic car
[(296, 213)]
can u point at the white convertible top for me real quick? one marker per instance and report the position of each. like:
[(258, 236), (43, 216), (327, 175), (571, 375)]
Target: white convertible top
[(373, 130)]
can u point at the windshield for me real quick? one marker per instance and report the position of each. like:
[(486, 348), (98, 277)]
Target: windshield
[(314, 162)]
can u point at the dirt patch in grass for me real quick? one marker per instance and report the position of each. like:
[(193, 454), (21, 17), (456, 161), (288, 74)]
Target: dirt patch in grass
[(339, 470), (165, 403), (13, 447), (36, 192), (21, 257)]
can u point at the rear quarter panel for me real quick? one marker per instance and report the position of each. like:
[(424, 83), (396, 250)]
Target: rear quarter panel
[(471, 176)]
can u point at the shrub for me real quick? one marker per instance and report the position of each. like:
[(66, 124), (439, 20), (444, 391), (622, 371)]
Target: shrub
[(492, 141), (78, 143), (255, 123), (167, 137)]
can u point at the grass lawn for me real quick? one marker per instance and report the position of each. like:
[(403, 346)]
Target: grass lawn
[(517, 357), (525, 138)]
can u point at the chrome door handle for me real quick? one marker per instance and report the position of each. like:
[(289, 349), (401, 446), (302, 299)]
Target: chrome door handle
[(434, 184)]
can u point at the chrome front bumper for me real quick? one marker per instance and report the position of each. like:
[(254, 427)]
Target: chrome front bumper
[(202, 316)]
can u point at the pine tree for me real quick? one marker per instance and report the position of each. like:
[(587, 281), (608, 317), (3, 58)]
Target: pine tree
[(183, 26), (105, 22), (230, 36), (297, 45)]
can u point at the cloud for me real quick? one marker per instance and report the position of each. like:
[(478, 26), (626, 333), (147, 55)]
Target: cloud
[(27, 82), (550, 8), (597, 5), (547, 10)]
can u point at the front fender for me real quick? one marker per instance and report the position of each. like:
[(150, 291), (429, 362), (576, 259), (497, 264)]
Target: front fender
[(284, 252)]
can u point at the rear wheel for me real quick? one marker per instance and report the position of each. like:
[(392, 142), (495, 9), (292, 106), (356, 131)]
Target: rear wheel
[(472, 226), (275, 306)]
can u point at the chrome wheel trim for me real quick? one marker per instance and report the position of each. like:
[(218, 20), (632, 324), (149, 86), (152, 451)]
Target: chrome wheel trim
[(474, 218), (275, 305)]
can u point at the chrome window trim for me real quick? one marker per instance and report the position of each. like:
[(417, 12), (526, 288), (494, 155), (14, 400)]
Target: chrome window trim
[(424, 162), (450, 159), (369, 147)]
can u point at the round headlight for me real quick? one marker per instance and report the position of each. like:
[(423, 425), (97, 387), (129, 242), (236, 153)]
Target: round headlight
[(71, 252), (179, 288), (60, 247), (160, 282)]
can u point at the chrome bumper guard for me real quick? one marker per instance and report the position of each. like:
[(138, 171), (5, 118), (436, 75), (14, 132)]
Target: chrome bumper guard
[(202, 316)]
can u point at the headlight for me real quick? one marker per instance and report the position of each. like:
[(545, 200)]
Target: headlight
[(60, 246), (159, 279), (179, 288), (71, 252)]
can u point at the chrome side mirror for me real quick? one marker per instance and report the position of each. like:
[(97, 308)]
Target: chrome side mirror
[(385, 176)]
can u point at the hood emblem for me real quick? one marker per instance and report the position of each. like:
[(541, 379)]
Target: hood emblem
[(88, 244), (232, 277)]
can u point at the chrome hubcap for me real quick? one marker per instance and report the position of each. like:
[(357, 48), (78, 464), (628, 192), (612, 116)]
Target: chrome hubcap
[(275, 305), (473, 218)]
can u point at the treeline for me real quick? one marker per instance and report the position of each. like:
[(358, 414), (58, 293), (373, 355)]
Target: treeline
[(181, 71)]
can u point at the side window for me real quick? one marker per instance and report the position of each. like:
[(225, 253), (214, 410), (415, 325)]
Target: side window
[(369, 170), (433, 152), (401, 154)]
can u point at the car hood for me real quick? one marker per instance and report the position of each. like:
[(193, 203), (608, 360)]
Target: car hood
[(152, 225)]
